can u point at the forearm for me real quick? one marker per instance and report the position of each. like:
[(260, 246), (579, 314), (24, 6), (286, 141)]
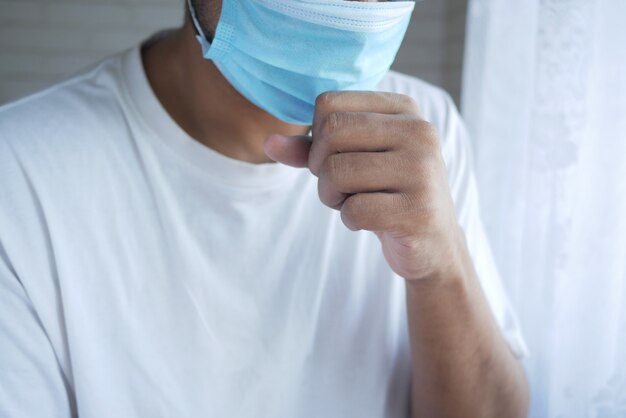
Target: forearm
[(381, 165), (462, 366)]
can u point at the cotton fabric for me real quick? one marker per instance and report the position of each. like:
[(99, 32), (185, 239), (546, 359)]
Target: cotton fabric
[(143, 274)]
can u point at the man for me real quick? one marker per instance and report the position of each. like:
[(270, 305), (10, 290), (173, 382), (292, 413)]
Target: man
[(156, 262)]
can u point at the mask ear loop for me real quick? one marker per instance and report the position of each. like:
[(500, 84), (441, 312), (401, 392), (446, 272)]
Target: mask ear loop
[(200, 36)]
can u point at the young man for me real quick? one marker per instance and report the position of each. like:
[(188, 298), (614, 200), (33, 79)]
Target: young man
[(155, 260)]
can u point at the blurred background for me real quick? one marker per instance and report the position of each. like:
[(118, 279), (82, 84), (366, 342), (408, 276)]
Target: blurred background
[(542, 87), (42, 41)]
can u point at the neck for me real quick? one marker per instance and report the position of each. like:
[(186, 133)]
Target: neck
[(204, 104)]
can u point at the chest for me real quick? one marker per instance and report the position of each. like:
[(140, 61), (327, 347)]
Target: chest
[(274, 309)]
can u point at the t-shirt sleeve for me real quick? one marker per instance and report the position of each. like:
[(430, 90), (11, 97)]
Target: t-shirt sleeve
[(31, 381), (457, 153)]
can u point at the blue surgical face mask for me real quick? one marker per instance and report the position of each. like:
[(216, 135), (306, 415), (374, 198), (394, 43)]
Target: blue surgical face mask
[(281, 54)]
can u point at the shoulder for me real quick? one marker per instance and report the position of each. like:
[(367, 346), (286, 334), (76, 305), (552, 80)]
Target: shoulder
[(54, 141), (57, 138), (55, 145), (64, 118)]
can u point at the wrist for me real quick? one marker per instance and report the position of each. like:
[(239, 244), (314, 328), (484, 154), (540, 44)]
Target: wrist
[(454, 264)]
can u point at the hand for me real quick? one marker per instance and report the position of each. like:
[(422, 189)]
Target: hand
[(380, 164)]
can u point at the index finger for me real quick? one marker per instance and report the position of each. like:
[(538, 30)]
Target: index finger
[(364, 101)]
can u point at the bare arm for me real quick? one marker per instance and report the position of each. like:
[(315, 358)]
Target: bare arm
[(380, 164), (462, 366)]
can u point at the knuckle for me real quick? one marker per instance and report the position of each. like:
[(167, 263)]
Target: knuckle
[(419, 125), (334, 168), (324, 99), (409, 103), (328, 170), (315, 165), (330, 123), (338, 167), (327, 195), (405, 100), (350, 213), (426, 132), (356, 208), (429, 130), (350, 207), (334, 129)]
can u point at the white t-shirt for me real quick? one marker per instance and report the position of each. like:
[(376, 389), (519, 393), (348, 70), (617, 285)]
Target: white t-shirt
[(143, 274)]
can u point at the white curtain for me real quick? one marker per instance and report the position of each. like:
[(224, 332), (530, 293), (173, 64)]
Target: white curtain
[(544, 97)]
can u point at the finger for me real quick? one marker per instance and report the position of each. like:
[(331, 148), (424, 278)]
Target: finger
[(290, 150), (362, 172), (365, 101), (329, 195), (377, 211), (362, 131)]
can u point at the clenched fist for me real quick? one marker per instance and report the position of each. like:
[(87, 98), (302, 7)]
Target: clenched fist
[(380, 164)]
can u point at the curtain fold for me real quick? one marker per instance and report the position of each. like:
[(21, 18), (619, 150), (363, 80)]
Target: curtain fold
[(544, 98)]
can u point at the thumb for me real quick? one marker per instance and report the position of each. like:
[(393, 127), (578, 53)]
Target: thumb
[(290, 150)]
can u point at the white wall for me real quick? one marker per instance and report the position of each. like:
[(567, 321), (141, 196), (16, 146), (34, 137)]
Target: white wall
[(42, 41)]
